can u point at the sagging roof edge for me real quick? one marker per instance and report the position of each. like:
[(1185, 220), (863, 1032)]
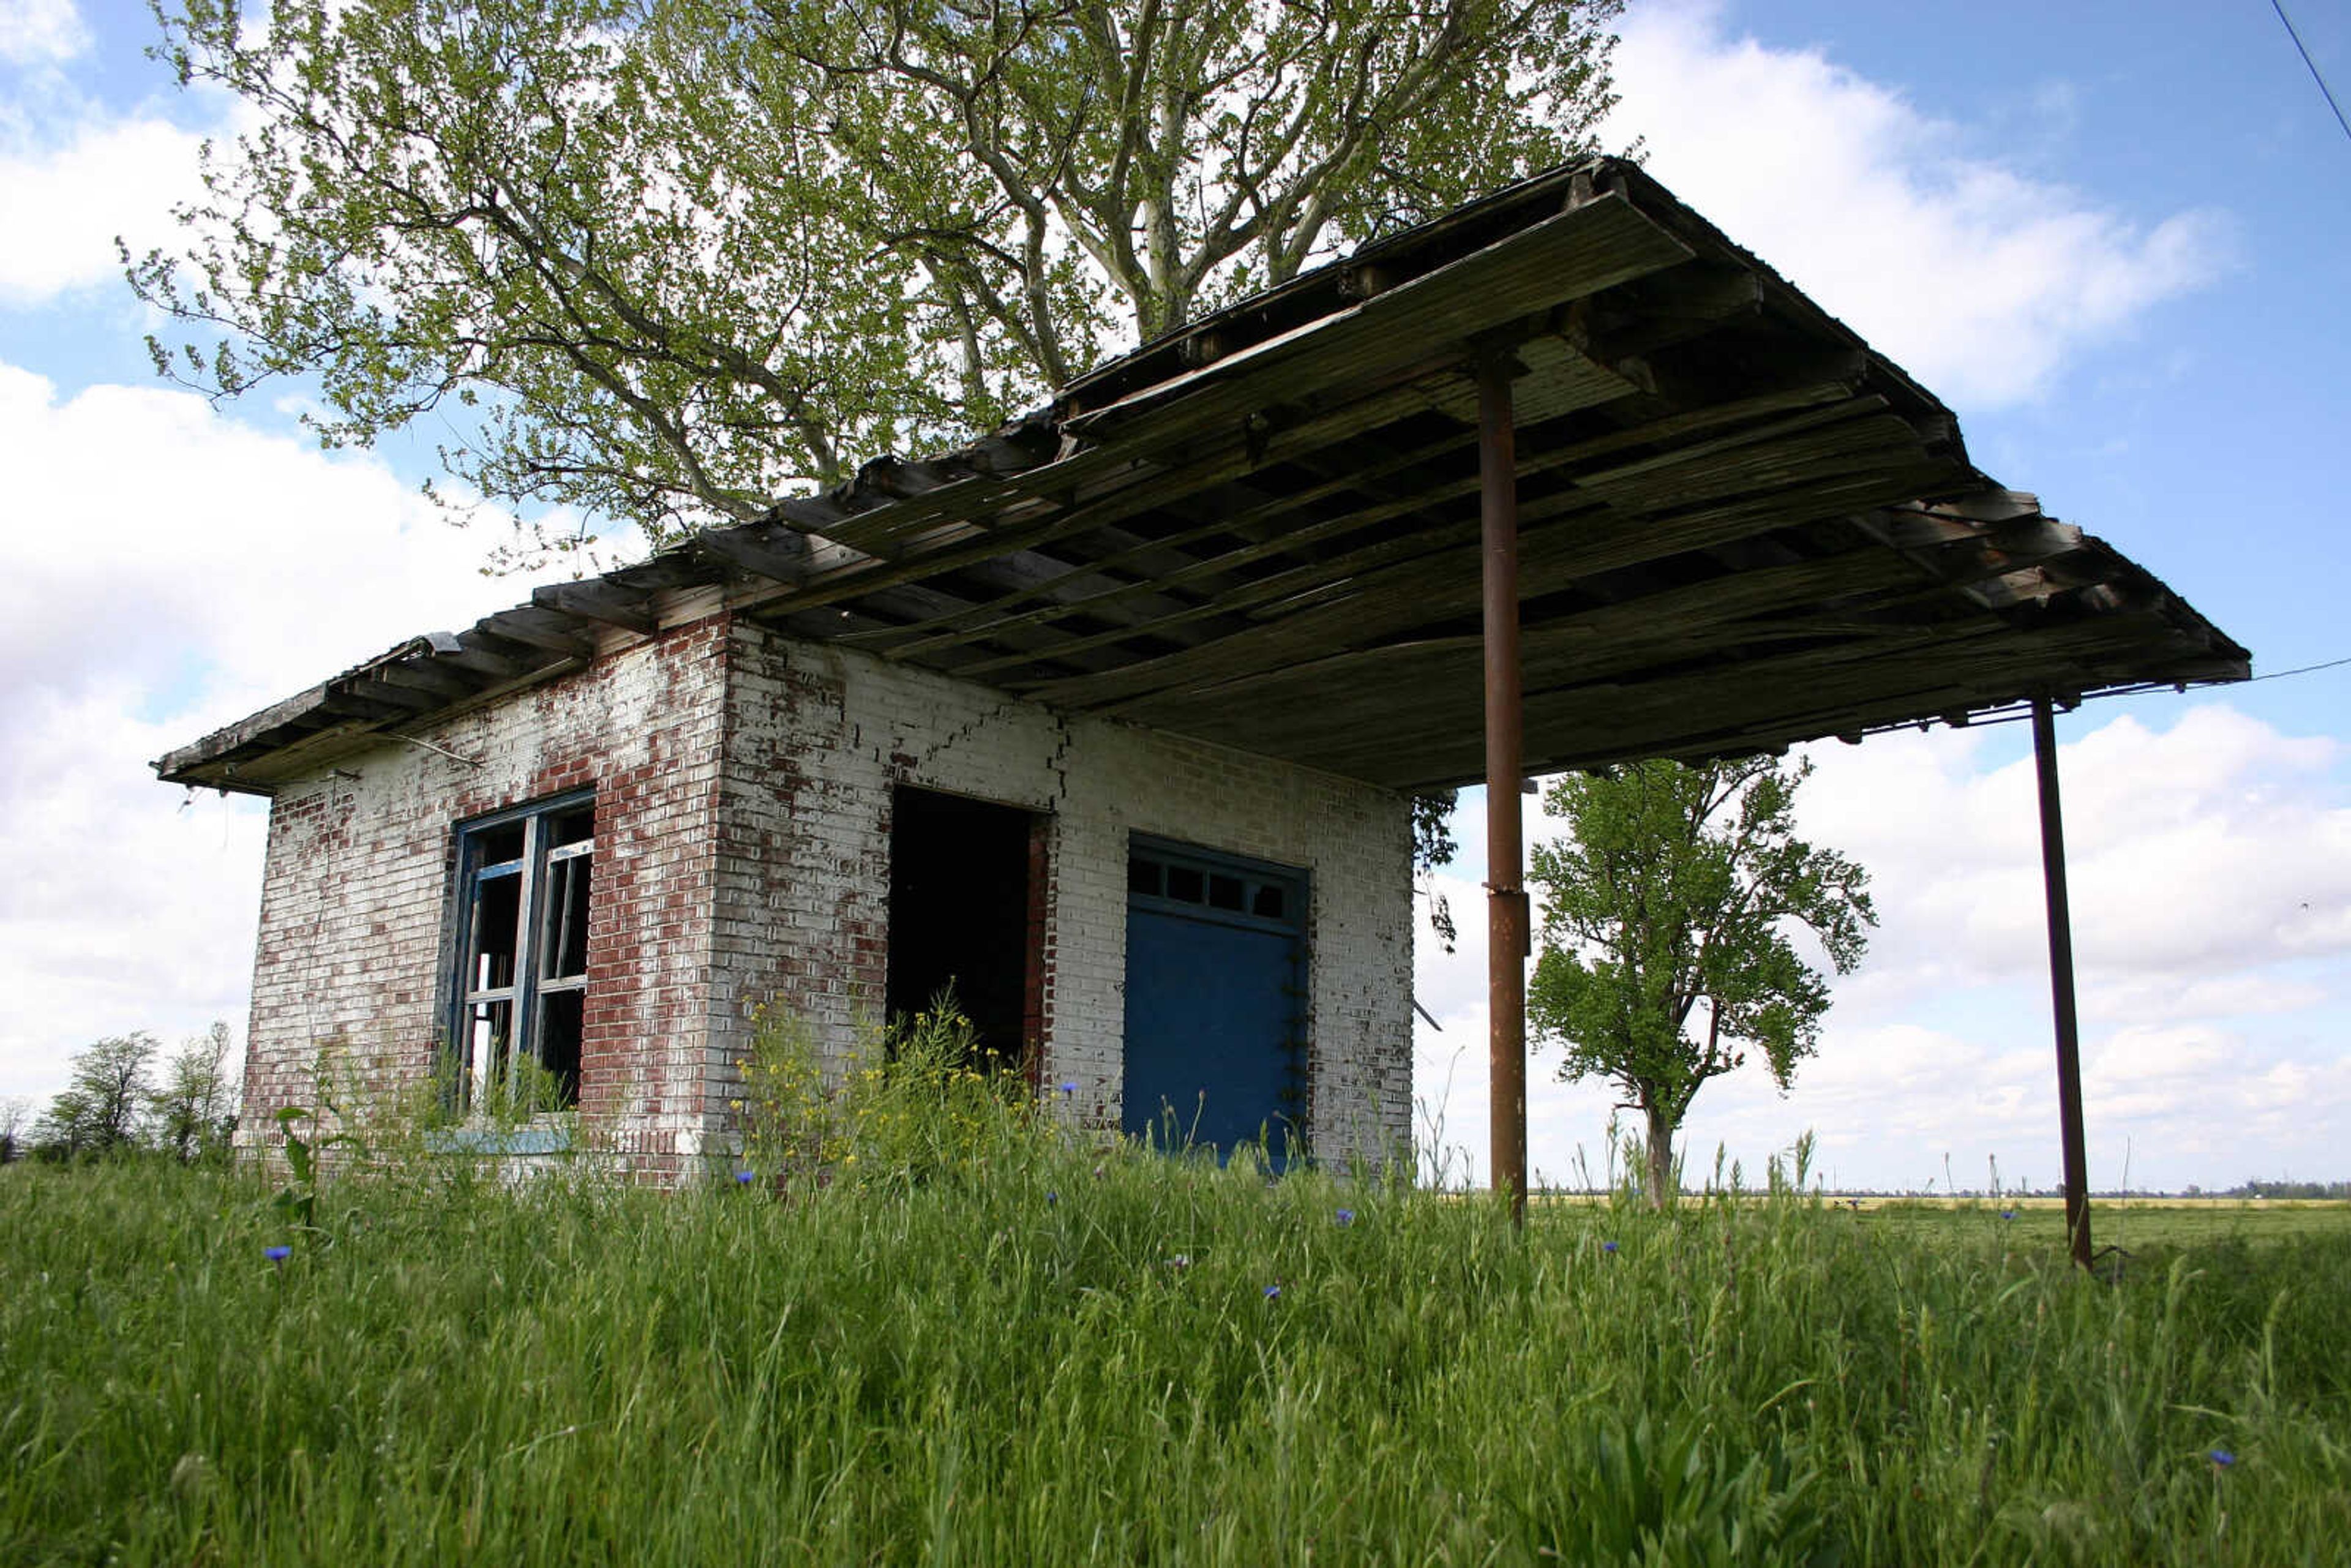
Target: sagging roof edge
[(349, 708), (429, 677)]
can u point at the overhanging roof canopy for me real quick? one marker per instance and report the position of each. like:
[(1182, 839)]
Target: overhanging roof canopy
[(1740, 528)]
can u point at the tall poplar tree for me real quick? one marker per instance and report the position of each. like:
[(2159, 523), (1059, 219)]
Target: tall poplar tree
[(1668, 950)]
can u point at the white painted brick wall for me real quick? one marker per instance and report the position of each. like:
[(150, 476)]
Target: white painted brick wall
[(353, 963), (743, 788), (818, 735)]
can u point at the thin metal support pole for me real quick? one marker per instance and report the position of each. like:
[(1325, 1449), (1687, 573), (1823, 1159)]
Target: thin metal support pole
[(1507, 924), (2061, 986)]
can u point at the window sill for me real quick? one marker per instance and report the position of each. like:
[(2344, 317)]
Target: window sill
[(499, 1140)]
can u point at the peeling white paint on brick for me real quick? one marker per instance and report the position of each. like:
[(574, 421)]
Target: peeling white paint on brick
[(743, 788)]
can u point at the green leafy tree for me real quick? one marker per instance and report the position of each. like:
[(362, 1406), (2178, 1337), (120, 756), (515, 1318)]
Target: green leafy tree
[(195, 1110), (662, 260), (104, 1103), (584, 236), (1667, 944), (1433, 846), (1058, 163)]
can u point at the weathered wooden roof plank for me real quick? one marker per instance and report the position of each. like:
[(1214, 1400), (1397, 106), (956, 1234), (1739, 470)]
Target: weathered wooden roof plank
[(601, 600)]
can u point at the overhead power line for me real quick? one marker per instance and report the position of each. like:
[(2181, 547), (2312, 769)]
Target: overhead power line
[(2017, 713), (2278, 7), (2281, 674)]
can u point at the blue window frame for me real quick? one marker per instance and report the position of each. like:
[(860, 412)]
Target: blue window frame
[(525, 879)]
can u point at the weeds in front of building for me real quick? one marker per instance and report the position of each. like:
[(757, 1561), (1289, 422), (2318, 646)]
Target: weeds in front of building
[(911, 1102)]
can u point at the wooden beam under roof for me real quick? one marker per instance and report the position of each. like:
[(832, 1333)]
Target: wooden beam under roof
[(1776, 701), (1538, 461), (768, 550), (537, 626), (496, 657), (951, 630), (601, 600), (437, 677), (1441, 585), (1746, 604)]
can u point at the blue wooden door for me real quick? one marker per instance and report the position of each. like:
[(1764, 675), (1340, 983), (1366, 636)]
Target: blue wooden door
[(1214, 1021)]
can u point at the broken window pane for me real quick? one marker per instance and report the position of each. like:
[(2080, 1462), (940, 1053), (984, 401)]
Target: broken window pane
[(500, 846), (560, 1017), (576, 825), (1225, 892), (1186, 884), (488, 1027), (521, 992), (563, 931), (497, 913)]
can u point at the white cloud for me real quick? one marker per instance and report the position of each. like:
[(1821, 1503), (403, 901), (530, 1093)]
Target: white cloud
[(2155, 999), (2218, 847), (69, 200), (2191, 1095), (1983, 282), (169, 571), (195, 556), (2210, 875), (123, 906), (40, 32)]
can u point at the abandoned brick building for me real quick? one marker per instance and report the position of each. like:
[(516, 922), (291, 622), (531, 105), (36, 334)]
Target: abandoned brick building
[(1114, 717), (601, 870)]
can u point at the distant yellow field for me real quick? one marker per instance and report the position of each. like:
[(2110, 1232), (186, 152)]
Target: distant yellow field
[(1871, 1201), (2200, 1205), (2128, 1223)]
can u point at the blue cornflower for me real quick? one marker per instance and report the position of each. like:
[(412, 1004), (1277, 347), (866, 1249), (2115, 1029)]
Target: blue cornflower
[(2223, 1457), (1346, 1217), (1053, 1197), (2007, 1214), (1608, 1246), (744, 1178), (1070, 1086), (1273, 1292), (278, 1254)]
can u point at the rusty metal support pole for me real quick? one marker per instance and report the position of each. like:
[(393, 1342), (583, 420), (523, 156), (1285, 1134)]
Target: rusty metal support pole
[(2061, 986), (1507, 925)]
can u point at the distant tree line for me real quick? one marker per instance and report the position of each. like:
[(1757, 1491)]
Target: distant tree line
[(2258, 1189), (127, 1097)]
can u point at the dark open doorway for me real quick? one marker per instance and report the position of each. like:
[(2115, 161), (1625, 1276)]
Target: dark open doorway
[(964, 911)]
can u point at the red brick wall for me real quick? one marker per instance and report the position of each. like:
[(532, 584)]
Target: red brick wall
[(743, 805), (352, 976)]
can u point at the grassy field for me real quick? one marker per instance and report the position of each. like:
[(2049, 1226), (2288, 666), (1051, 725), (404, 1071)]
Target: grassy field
[(2127, 1225), (1068, 1355), (2130, 1224)]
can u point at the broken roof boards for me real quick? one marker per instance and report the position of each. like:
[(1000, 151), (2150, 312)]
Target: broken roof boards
[(1740, 529)]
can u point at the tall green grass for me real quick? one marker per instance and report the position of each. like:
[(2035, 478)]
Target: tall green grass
[(1087, 1355)]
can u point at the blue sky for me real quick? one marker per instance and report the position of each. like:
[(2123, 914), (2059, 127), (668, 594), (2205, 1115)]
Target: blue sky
[(2112, 238)]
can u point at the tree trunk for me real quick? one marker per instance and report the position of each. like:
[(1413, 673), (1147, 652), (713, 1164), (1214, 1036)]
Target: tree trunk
[(1661, 1159)]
